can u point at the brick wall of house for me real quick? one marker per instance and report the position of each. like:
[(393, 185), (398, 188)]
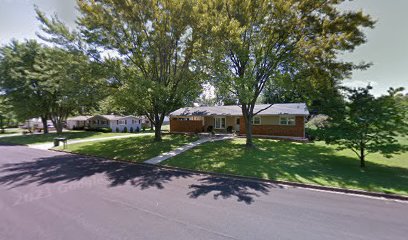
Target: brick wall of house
[(277, 130), (186, 126)]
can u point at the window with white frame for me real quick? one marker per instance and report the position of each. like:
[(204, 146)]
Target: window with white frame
[(256, 120), (219, 123), (122, 122), (287, 120)]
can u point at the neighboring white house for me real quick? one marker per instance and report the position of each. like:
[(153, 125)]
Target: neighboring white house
[(77, 122), (128, 122), (36, 124), (116, 123)]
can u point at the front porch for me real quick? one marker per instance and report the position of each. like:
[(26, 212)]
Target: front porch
[(198, 124)]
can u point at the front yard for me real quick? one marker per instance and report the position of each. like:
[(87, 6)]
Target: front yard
[(136, 149), (11, 131), (313, 163), (43, 138)]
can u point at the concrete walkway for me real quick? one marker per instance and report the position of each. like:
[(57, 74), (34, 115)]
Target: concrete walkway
[(48, 145), (165, 156)]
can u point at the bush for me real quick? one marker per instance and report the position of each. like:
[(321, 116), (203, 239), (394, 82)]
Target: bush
[(125, 130), (117, 130), (229, 129), (315, 134), (137, 129), (131, 130), (144, 128), (210, 128), (318, 121), (104, 130), (78, 128)]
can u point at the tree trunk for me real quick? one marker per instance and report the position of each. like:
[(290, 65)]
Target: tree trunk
[(157, 133), (362, 158), (58, 124), (151, 125), (157, 128), (1, 125), (45, 125), (248, 128), (249, 143)]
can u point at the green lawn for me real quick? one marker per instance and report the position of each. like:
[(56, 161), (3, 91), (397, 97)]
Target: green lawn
[(42, 138), (313, 163), (136, 149), (11, 131)]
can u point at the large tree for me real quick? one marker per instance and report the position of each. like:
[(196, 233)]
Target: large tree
[(157, 45), (71, 81), (254, 42), (368, 124), (50, 82), (24, 92)]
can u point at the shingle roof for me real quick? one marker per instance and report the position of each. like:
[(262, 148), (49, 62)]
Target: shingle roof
[(79, 118), (111, 117), (275, 109), (116, 117)]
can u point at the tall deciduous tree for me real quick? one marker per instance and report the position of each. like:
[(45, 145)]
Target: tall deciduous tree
[(24, 92), (158, 47), (256, 41), (368, 124), (50, 82), (71, 81)]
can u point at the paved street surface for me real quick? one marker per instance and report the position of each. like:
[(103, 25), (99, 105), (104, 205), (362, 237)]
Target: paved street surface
[(48, 195)]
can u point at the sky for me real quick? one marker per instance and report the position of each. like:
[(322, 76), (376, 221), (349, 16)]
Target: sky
[(386, 48)]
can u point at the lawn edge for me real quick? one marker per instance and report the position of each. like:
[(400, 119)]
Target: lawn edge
[(254, 179)]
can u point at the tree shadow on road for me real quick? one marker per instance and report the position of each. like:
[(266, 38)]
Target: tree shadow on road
[(69, 168), (244, 190)]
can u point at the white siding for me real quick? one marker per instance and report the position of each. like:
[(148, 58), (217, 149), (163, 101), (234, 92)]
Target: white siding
[(128, 122)]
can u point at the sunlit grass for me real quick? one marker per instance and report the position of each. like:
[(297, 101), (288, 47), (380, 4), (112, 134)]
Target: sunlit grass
[(42, 138), (135, 149), (10, 131), (313, 163)]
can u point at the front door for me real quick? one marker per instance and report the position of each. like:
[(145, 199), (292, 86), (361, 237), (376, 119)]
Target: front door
[(237, 124)]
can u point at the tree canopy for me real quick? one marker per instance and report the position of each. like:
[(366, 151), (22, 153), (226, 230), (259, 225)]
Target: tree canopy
[(256, 42), (157, 45), (368, 124), (45, 81)]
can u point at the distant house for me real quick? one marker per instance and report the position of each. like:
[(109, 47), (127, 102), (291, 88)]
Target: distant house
[(77, 122), (37, 125), (282, 120), (116, 123)]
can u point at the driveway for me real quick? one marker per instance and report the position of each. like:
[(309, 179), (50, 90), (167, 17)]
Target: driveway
[(49, 195)]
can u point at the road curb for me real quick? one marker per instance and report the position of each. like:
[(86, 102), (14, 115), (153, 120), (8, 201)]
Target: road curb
[(254, 179)]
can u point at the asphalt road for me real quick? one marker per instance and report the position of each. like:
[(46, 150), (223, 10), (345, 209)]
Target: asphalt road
[(48, 195)]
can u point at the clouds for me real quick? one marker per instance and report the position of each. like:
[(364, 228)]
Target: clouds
[(18, 18)]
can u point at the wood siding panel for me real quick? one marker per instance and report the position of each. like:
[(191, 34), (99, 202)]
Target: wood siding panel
[(193, 126), (277, 130)]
